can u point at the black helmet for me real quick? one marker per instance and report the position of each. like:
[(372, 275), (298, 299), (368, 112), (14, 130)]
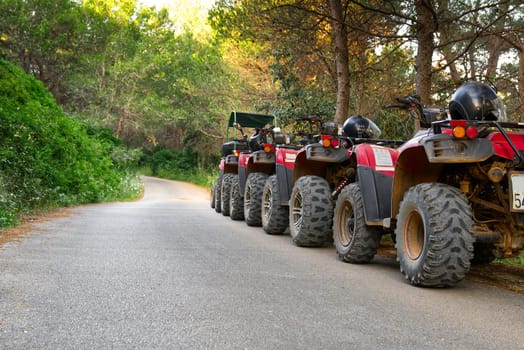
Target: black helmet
[(359, 127), (476, 101)]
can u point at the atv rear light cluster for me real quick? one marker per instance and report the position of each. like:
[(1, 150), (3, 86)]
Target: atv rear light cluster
[(329, 141), (269, 148), (236, 152), (460, 129)]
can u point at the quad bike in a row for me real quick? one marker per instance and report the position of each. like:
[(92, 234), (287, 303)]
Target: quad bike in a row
[(455, 198), (296, 195), (231, 151), (256, 166)]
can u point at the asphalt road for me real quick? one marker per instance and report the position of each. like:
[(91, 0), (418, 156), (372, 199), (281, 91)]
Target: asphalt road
[(167, 272)]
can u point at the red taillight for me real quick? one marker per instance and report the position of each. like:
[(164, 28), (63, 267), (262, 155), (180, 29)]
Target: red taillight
[(329, 141), (472, 132), (268, 148), (459, 122), (325, 140), (236, 152), (461, 130)]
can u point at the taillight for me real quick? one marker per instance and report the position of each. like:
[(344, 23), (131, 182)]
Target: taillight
[(329, 141), (461, 130), (472, 132), (268, 148), (326, 140), (236, 152)]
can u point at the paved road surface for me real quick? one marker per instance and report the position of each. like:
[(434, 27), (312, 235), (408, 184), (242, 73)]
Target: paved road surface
[(167, 272)]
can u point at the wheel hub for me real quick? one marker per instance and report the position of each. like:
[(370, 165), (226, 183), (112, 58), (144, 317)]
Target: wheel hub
[(414, 235)]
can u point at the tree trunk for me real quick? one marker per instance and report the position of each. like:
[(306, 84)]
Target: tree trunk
[(340, 38), (426, 27)]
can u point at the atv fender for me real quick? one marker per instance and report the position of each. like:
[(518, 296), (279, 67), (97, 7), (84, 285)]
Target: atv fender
[(376, 197), (315, 158)]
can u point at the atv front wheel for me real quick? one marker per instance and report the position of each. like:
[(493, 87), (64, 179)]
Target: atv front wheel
[(434, 241), (218, 194), (275, 216), (236, 202), (225, 190), (212, 195), (253, 198), (310, 212), (355, 241)]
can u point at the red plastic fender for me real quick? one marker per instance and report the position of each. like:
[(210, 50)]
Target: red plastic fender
[(379, 158), (286, 157), (502, 148), (243, 159)]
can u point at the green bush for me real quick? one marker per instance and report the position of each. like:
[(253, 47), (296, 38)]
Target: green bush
[(184, 165), (49, 159)]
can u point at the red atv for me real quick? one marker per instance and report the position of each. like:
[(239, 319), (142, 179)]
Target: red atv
[(284, 196), (253, 169), (231, 150), (456, 195)]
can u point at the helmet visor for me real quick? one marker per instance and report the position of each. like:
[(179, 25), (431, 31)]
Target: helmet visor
[(499, 110)]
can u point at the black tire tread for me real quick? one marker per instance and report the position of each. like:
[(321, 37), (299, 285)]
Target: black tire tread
[(252, 208), (449, 244), (365, 240), (277, 219), (317, 212)]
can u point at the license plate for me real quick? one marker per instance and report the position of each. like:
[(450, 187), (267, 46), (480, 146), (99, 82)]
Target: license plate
[(516, 185)]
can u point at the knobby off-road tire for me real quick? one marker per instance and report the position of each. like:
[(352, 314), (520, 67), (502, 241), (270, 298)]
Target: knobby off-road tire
[(275, 216), (434, 241), (310, 212), (355, 241), (212, 195), (253, 198), (227, 179), (218, 194), (236, 202)]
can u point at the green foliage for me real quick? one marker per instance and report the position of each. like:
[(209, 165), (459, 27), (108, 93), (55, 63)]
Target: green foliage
[(47, 158), (184, 165)]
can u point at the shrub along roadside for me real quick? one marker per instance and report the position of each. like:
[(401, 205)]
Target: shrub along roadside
[(185, 165), (48, 159)]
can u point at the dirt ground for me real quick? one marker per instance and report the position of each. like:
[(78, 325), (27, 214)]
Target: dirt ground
[(499, 275)]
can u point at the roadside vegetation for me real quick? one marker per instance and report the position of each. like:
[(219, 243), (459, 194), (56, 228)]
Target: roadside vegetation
[(49, 159)]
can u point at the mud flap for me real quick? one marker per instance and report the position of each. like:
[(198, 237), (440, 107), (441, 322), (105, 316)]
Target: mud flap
[(376, 194)]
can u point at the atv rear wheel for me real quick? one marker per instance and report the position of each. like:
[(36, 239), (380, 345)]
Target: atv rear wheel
[(434, 241), (310, 212), (236, 202), (275, 216), (253, 198), (355, 241), (225, 190), (218, 194)]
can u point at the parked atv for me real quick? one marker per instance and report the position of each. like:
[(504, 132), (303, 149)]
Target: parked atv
[(278, 196), (363, 196), (231, 150), (456, 195), (254, 168)]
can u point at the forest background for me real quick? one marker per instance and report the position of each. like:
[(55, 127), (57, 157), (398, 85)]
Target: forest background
[(153, 88)]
